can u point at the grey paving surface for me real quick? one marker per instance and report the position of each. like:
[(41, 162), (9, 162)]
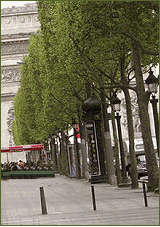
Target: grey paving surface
[(69, 203)]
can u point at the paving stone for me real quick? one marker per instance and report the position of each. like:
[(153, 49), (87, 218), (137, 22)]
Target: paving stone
[(69, 202)]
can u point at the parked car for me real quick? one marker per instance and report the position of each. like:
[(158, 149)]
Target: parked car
[(142, 170), (141, 167)]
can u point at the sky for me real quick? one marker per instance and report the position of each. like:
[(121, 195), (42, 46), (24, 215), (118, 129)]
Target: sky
[(6, 4)]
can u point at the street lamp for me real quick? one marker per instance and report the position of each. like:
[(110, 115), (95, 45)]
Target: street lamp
[(116, 107), (152, 84), (116, 102)]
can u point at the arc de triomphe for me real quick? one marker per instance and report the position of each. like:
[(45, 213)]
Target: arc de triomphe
[(17, 24)]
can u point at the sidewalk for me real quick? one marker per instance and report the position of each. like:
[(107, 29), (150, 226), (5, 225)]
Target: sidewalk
[(69, 202)]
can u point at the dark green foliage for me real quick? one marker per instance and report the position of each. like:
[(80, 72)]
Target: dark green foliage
[(80, 43)]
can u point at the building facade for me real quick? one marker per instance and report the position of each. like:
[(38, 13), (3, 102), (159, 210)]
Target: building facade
[(17, 24)]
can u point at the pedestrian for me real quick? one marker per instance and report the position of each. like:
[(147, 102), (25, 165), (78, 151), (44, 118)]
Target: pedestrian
[(21, 163)]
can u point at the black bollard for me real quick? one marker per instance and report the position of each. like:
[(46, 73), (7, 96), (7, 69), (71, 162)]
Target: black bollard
[(93, 197), (144, 193), (43, 202)]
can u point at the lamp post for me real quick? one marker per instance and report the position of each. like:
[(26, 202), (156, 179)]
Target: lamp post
[(116, 107), (152, 84)]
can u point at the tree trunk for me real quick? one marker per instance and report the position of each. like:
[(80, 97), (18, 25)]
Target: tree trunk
[(85, 173), (64, 159), (60, 158), (53, 153), (134, 174), (108, 146), (133, 162), (143, 98), (76, 148), (82, 145)]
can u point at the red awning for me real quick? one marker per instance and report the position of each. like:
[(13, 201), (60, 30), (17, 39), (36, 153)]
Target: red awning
[(22, 148)]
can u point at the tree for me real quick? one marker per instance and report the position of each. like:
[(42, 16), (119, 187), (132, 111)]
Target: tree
[(82, 43), (145, 24), (138, 22)]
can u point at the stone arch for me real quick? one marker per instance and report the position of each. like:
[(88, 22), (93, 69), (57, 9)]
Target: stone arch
[(17, 24)]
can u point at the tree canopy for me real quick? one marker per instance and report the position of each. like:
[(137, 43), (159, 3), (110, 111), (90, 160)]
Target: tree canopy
[(80, 43)]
